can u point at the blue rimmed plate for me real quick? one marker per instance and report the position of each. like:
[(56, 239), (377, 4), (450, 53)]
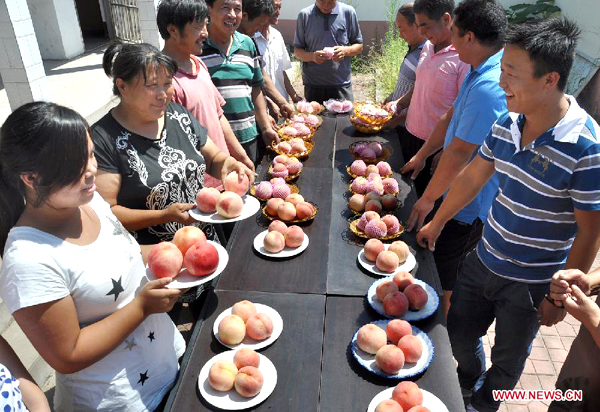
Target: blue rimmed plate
[(367, 361), (429, 309)]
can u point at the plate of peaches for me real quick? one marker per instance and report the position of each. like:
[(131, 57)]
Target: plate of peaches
[(406, 396), (292, 209), (237, 379), (281, 241), (392, 349), (401, 296), (248, 325), (190, 260), (383, 259)]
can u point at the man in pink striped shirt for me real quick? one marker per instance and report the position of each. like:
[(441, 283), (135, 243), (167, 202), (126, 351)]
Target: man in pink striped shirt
[(440, 74)]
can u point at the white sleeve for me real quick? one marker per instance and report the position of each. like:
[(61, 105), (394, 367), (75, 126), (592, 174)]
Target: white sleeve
[(29, 278), (286, 64)]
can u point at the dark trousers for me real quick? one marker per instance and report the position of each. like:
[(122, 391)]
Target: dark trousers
[(255, 149), (321, 93), (410, 145), (480, 297)]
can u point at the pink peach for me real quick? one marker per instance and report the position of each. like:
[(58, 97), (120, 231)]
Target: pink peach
[(206, 199), (230, 205), (165, 260), (259, 326), (412, 348), (357, 203), (395, 304), (397, 329), (278, 226), (273, 205), (249, 381), (387, 261), (385, 288), (294, 237), (389, 405), (286, 211), (373, 247), (371, 338), (408, 395), (246, 357), (187, 236), (417, 297), (236, 183), (294, 198), (244, 309), (304, 210), (274, 242), (402, 279), (201, 259), (400, 249), (221, 375), (232, 330), (390, 359)]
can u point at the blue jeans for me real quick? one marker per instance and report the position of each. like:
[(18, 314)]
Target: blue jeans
[(479, 297)]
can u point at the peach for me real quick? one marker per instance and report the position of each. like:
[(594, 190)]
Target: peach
[(419, 408), (374, 206), (384, 288), (259, 326), (304, 210), (201, 259), (206, 199), (395, 304), (221, 375), (273, 205), (284, 147), (407, 394), (373, 247), (387, 261), (232, 330), (274, 242), (278, 226), (316, 106), (412, 348), (286, 211), (277, 181), (397, 329), (371, 338), (371, 169), (294, 198), (187, 236), (389, 405), (294, 237), (389, 202), (417, 296), (236, 183), (249, 381), (401, 249), (246, 357), (402, 279), (372, 196), (244, 309), (390, 359), (357, 203), (230, 205), (165, 260), (279, 167), (283, 159)]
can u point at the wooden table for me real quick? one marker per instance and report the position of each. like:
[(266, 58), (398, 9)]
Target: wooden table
[(319, 294)]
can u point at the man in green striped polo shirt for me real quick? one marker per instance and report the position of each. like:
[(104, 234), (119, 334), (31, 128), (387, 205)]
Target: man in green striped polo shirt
[(234, 66)]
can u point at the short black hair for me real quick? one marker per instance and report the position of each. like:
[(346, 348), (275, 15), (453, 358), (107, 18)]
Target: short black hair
[(550, 43), (127, 60), (210, 3), (434, 9), (257, 8), (179, 13), (406, 10), (485, 18)]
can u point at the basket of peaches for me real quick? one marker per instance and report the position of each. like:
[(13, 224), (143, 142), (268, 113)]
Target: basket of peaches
[(290, 130), (368, 117)]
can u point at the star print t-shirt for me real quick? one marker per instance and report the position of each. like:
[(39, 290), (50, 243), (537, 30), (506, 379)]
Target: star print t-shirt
[(101, 278), (155, 173)]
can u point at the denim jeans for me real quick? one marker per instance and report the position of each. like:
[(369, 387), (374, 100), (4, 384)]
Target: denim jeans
[(480, 296)]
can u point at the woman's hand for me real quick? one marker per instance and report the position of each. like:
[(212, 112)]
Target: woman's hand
[(154, 297), (178, 212), (232, 165)]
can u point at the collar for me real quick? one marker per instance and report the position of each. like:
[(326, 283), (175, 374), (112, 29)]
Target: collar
[(235, 43), (258, 35), (429, 45), (336, 10), (567, 130), (490, 63), (196, 63), (419, 47)]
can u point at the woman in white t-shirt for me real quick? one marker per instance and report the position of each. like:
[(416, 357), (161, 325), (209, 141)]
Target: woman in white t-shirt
[(73, 277)]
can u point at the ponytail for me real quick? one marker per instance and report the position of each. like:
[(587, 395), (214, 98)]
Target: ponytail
[(46, 140)]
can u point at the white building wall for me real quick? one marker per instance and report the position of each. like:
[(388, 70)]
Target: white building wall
[(57, 26)]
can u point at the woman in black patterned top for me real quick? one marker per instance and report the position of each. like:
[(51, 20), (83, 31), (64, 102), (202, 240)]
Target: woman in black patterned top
[(152, 154)]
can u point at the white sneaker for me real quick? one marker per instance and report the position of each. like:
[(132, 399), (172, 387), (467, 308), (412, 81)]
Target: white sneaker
[(471, 409)]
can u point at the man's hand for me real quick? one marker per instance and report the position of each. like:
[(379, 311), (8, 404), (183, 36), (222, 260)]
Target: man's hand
[(269, 135), (581, 307), (232, 165), (560, 285), (549, 314), (274, 111), (414, 165), (428, 235), (319, 57), (287, 110), (178, 212), (391, 105), (418, 214), (339, 53)]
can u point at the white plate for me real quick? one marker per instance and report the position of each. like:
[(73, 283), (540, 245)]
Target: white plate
[(231, 400), (185, 280), (367, 361), (251, 206), (429, 309), (407, 266), (285, 253), (249, 342), (430, 401)]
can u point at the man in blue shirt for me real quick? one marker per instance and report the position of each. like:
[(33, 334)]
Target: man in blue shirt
[(477, 35), (331, 25), (545, 217)]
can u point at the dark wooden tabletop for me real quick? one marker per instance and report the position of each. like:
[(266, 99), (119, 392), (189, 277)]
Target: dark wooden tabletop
[(296, 354), (319, 294), (347, 386)]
